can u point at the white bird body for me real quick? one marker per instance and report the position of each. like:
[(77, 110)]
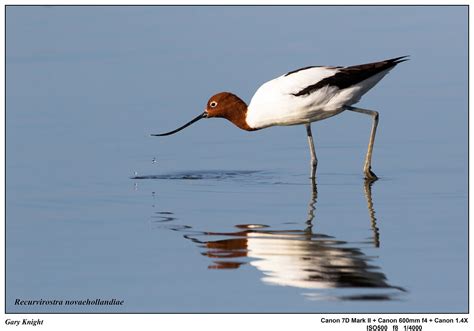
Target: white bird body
[(274, 103)]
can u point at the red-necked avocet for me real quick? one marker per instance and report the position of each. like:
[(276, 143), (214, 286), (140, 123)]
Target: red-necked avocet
[(303, 96)]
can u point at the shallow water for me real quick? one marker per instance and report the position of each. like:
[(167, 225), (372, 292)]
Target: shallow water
[(215, 219)]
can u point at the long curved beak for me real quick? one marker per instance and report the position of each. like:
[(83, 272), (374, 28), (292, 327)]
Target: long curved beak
[(203, 115)]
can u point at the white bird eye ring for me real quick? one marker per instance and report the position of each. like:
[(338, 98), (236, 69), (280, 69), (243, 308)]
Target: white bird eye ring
[(213, 104)]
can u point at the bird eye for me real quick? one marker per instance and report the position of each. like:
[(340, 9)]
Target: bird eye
[(213, 104)]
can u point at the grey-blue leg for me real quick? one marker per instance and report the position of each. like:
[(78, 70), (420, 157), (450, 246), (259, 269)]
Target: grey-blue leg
[(368, 158), (314, 160)]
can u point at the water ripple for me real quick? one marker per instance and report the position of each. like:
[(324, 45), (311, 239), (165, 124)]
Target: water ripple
[(202, 175)]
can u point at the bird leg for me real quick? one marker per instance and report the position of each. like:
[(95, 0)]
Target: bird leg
[(314, 160), (368, 158)]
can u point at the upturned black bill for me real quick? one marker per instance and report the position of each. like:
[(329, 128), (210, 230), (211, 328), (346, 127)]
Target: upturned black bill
[(203, 115)]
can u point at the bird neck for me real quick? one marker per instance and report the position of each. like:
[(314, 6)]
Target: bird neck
[(236, 112)]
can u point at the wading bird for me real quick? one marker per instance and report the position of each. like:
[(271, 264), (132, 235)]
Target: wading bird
[(303, 96)]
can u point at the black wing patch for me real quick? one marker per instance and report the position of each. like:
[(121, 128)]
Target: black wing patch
[(349, 76)]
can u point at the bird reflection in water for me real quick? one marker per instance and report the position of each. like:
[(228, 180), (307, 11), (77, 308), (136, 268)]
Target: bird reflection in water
[(302, 258)]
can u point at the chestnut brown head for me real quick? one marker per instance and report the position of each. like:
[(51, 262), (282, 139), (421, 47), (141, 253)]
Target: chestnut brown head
[(223, 104), (229, 106)]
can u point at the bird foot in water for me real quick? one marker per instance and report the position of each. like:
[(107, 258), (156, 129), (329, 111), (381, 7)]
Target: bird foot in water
[(369, 174)]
